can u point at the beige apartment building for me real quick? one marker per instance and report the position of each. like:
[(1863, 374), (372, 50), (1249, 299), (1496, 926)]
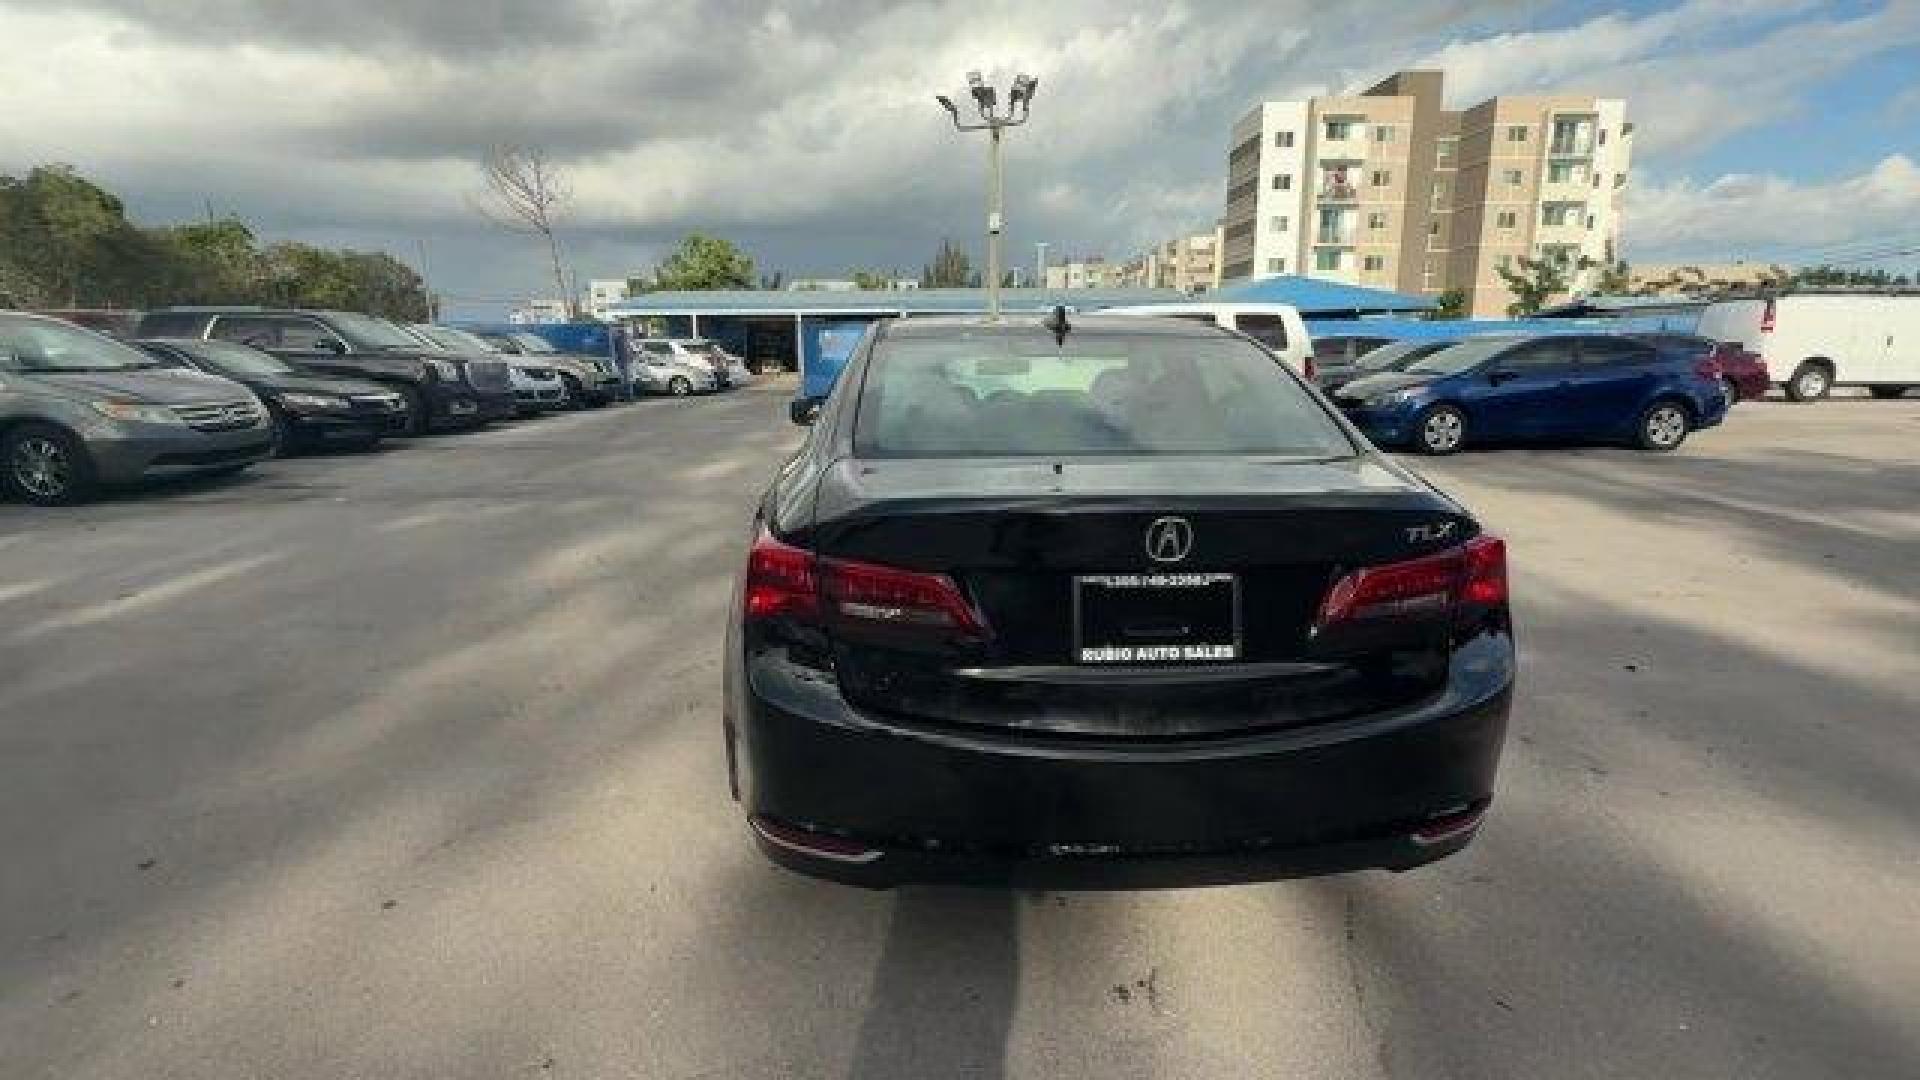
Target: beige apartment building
[(1188, 263), (1390, 190)]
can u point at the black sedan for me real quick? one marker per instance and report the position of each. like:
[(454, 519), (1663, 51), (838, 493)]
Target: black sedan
[(1109, 603), (306, 410), (1331, 375)]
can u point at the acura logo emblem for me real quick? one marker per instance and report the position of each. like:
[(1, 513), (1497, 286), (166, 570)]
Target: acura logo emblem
[(1169, 539)]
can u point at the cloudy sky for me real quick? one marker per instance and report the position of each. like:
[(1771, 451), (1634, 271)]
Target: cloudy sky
[(805, 129)]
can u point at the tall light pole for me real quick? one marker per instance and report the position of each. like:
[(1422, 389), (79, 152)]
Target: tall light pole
[(985, 100), (1040, 263)]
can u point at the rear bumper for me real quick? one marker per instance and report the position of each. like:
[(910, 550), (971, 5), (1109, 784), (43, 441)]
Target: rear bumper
[(915, 805), (152, 453)]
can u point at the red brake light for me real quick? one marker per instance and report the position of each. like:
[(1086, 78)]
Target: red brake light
[(890, 596), (780, 580), (1313, 373), (1766, 317), (1472, 575)]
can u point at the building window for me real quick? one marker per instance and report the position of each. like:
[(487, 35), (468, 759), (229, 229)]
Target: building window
[(1567, 172), (1507, 219), (1382, 178), (1283, 139), (1373, 262), (1446, 148), (1433, 228), (1603, 136), (1278, 223), (1504, 262), (1338, 130), (1619, 179), (1283, 182), (1377, 221), (1514, 177), (1330, 259), (1276, 266), (1517, 133), (1382, 133), (1590, 221), (1562, 213), (1440, 195)]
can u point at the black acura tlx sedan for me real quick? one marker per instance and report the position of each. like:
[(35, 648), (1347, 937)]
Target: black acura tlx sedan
[(1106, 603)]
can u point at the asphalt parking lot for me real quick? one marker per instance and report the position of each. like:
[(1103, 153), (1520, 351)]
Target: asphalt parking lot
[(408, 765)]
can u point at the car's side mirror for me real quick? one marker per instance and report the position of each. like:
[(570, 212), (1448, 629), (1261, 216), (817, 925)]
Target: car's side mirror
[(1501, 375), (333, 345), (804, 411)]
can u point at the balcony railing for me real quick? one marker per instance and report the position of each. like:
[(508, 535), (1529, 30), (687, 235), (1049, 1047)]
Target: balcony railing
[(1338, 193), (1574, 147)]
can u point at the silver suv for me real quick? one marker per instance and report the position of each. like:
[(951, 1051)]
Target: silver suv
[(79, 409), (673, 366)]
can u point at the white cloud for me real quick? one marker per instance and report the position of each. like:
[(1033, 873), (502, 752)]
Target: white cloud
[(1767, 217)]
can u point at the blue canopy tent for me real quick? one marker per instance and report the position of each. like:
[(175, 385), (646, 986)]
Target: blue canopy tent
[(1323, 299)]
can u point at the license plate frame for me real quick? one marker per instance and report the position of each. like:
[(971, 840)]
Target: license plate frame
[(1212, 599)]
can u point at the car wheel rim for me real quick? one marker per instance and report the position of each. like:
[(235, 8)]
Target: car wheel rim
[(1731, 391), (1814, 382), (1443, 431), (42, 468), (1665, 427)]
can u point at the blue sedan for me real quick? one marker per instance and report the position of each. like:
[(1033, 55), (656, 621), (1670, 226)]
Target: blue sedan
[(1562, 387)]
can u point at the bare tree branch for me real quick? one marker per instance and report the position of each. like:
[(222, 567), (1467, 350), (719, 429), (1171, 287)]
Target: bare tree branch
[(525, 194)]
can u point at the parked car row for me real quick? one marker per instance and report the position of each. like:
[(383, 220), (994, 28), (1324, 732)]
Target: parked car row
[(217, 389)]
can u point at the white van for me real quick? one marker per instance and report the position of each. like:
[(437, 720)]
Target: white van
[(1817, 341), (1277, 326)]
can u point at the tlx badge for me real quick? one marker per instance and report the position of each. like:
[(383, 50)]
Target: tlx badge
[(1422, 534)]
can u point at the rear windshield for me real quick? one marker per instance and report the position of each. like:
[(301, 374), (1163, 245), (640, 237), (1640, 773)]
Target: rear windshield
[(1102, 394), (533, 343)]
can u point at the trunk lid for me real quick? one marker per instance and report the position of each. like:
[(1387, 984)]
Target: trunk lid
[(1017, 536)]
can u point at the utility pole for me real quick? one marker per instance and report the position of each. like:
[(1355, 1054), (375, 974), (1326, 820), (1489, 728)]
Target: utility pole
[(1040, 263), (426, 281), (985, 100)]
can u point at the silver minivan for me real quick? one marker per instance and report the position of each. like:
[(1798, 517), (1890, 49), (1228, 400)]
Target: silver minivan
[(79, 410)]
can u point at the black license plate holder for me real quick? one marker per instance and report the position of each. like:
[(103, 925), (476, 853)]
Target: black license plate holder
[(1156, 619)]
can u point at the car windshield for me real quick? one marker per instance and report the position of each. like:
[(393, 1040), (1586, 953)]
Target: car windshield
[(1398, 355), (995, 394), (446, 337), (371, 334), (28, 344), (533, 343), (1458, 358), (231, 358)]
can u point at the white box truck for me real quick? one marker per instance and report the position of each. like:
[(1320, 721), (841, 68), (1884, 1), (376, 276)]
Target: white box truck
[(1813, 342)]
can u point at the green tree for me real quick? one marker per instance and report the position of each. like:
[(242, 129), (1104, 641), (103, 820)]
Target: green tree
[(1616, 277), (1533, 284), (872, 279), (1453, 304), (704, 262), (950, 269)]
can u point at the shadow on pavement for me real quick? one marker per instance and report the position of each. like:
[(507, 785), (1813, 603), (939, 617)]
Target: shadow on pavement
[(947, 987)]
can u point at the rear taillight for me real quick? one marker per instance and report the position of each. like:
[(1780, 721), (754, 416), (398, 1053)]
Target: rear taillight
[(780, 580), (1313, 373), (1766, 318), (783, 580), (1472, 576), (887, 596)]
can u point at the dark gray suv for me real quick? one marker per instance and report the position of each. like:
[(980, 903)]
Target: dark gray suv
[(79, 409)]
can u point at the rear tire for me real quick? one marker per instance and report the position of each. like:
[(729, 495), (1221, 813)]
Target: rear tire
[(1885, 393), (1732, 391), (46, 466), (1810, 382), (1440, 430), (1663, 427), (679, 386), (576, 394)]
